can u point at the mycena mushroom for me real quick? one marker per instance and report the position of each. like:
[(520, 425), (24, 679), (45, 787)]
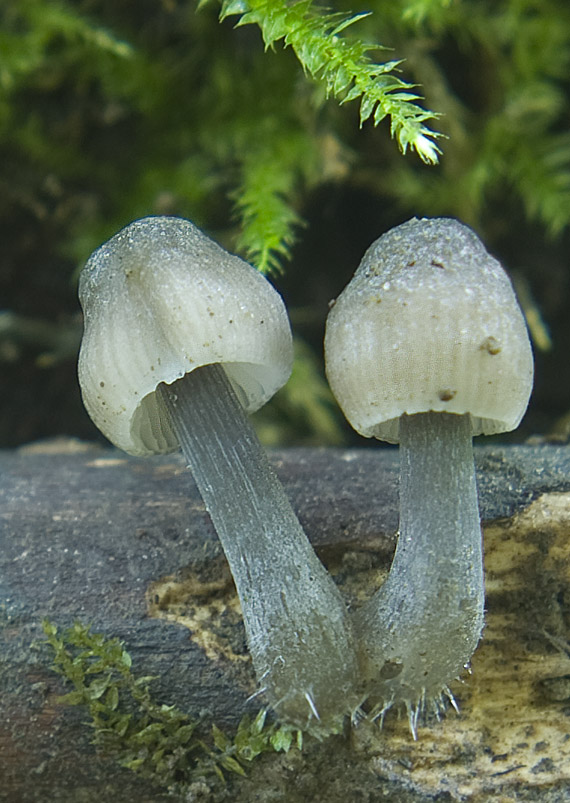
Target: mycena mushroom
[(181, 341), (427, 346)]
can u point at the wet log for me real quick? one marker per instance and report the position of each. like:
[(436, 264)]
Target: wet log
[(126, 546)]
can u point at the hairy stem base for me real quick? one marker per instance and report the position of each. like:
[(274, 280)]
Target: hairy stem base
[(296, 623), (418, 632)]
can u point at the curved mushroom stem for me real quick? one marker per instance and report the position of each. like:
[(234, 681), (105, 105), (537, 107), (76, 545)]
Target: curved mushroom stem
[(297, 627), (420, 629)]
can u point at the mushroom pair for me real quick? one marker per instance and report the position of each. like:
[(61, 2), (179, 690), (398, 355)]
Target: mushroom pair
[(181, 341), (427, 346)]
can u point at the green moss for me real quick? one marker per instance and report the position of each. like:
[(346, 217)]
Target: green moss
[(158, 742), (111, 111), (179, 111)]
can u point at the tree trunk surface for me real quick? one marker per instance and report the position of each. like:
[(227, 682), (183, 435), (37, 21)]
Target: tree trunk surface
[(126, 546)]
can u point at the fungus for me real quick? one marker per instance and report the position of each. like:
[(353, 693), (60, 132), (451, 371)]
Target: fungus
[(181, 340), (427, 346)]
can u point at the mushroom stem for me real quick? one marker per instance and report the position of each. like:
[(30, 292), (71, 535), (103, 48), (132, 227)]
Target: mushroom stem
[(297, 627), (420, 629)]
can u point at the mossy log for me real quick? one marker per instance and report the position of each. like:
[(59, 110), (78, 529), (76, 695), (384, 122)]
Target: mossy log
[(127, 546)]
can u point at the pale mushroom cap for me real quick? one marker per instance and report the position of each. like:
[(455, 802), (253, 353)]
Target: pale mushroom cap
[(161, 299), (429, 322)]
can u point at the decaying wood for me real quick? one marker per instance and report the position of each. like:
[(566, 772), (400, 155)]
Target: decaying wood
[(126, 545)]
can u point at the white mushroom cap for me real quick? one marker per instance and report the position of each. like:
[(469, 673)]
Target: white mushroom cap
[(429, 322), (159, 300)]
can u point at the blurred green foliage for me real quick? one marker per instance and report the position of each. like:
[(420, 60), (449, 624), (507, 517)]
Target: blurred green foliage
[(136, 113), (115, 109)]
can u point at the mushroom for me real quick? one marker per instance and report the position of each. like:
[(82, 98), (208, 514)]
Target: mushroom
[(181, 341), (427, 346)]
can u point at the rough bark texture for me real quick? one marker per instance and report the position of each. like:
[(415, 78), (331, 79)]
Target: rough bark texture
[(126, 545)]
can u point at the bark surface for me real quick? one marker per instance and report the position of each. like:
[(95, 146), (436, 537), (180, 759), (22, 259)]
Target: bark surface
[(126, 545)]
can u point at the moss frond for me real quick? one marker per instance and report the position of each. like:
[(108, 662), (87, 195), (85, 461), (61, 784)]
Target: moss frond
[(156, 741), (264, 198), (343, 66)]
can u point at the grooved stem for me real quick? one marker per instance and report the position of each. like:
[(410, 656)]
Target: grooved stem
[(421, 627), (297, 628)]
